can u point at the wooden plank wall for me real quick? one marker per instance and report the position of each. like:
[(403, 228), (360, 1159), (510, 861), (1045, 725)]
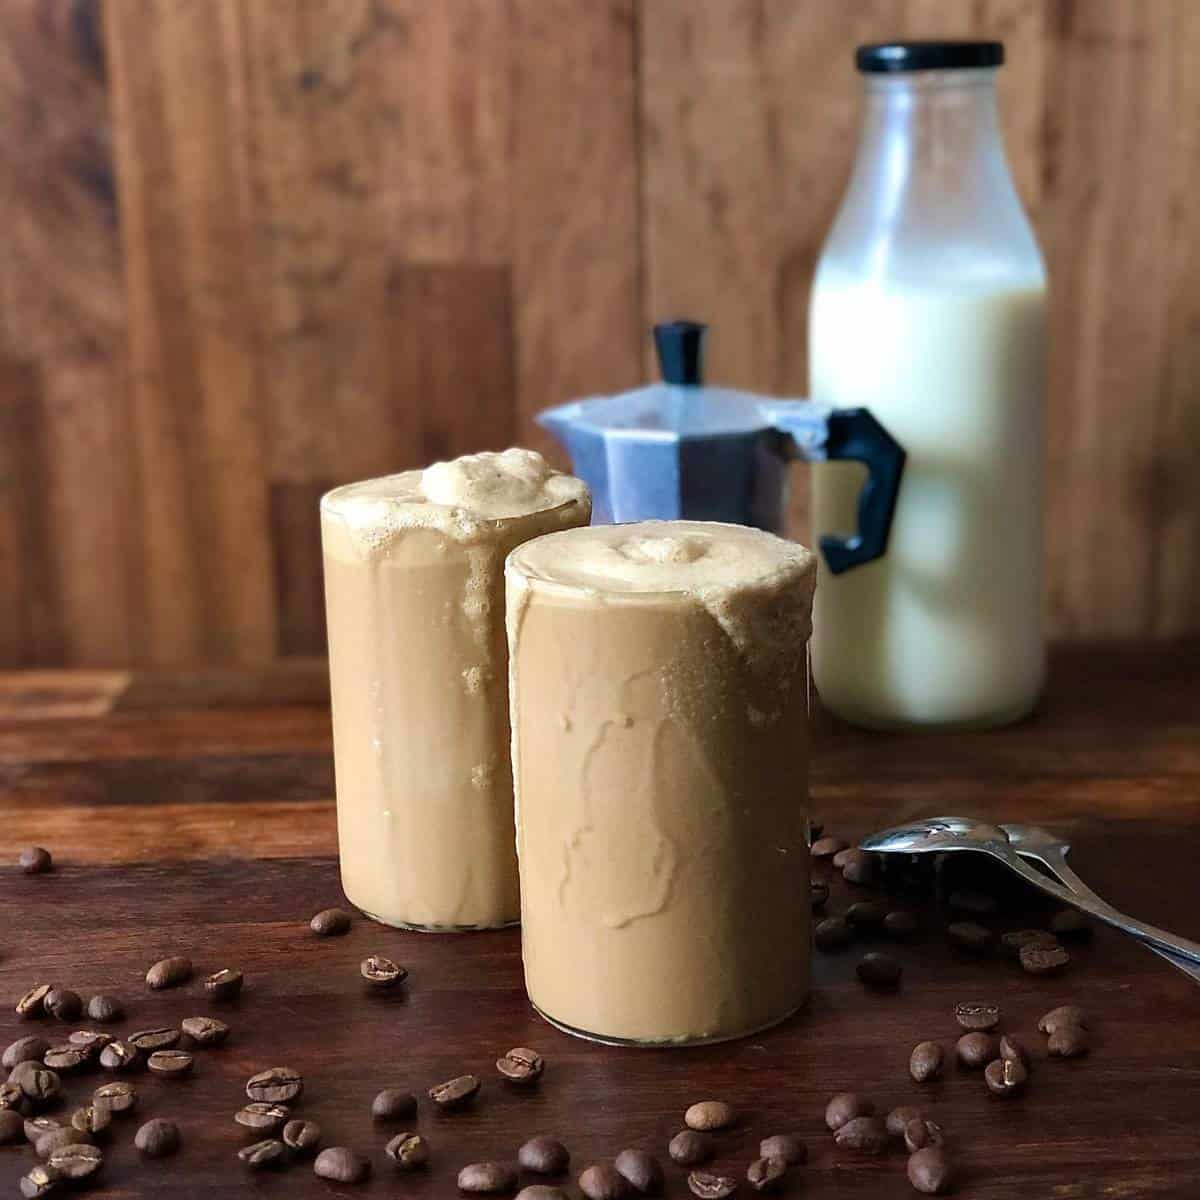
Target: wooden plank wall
[(251, 248)]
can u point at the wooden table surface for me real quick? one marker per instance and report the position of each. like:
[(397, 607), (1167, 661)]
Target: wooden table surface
[(182, 827)]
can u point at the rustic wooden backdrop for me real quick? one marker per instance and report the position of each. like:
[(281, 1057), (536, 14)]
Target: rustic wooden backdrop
[(252, 248)]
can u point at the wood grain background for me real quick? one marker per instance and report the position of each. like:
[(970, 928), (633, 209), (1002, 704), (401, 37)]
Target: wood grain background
[(251, 248)]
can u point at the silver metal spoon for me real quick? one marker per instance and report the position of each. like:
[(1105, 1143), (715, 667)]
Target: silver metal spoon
[(942, 835), (1041, 846)]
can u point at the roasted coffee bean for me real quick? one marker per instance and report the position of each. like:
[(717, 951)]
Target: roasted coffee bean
[(690, 1147), (542, 1191), (269, 1152), (169, 972), (41, 1180), (1065, 1014), (56, 1139), (879, 970), (455, 1093), (839, 859), (26, 1049), (261, 1115), (393, 1104), (12, 1128), (65, 1058), (818, 894), (330, 922), (1068, 1041), (641, 1170), (40, 1084), (521, 1066), (787, 1146), (926, 1061), (93, 1119), (34, 860), (929, 1171), (967, 935), (408, 1151), (709, 1114), (1014, 941), (1006, 1076), (12, 1099), (487, 1178), (105, 1009), (920, 1133), (119, 1056), (149, 1040), (32, 1003), (900, 924), (301, 1137), (157, 1138), (225, 984), (37, 1127), (276, 1085), (710, 1186), (205, 1031), (171, 1064), (602, 1182), (898, 1118), (91, 1040), (118, 1097), (381, 972), (866, 914), (833, 933), (544, 1156), (766, 1174), (866, 1134), (859, 867), (63, 1004), (978, 904), (1013, 1050), (827, 847), (845, 1106), (79, 1160), (977, 1017), (976, 1050), (1043, 960), (1071, 924)]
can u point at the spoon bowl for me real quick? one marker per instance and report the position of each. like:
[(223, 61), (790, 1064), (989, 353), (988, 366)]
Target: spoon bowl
[(939, 835)]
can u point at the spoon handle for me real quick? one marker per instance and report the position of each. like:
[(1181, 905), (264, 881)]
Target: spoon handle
[(1102, 911)]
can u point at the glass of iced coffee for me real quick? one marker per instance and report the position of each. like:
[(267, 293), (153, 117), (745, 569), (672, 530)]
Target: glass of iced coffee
[(414, 590), (658, 682)]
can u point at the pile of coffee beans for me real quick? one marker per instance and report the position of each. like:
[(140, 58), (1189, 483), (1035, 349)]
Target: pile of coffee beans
[(857, 1127)]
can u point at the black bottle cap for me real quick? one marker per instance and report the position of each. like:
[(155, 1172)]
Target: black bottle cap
[(887, 57)]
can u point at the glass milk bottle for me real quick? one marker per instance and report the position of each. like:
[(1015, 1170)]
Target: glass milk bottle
[(929, 305)]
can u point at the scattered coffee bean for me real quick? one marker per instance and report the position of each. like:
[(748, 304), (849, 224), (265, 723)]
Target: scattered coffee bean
[(225, 984), (1065, 1014), (26, 1049), (31, 1004), (301, 1137), (827, 847), (487, 1178), (839, 859), (920, 1133), (63, 1004), (269, 1153), (157, 1138), (40, 1084), (36, 1127), (967, 935), (342, 1165), (868, 1135), (766, 1174), (832, 933), (521, 1066), (56, 1139), (1070, 923), (34, 860), (119, 1056), (169, 972), (544, 1156), (846, 1106), (542, 1191), (859, 867), (408, 1151), (787, 1146), (264, 1116), (205, 1031), (603, 1182), (117, 1097), (977, 1017), (171, 1064), (898, 1118), (65, 1058), (929, 1171), (710, 1186), (978, 904), (1018, 938), (12, 1128), (455, 1093), (330, 922), (381, 972), (276, 1085), (900, 924), (92, 1119), (91, 1040), (976, 1050), (641, 1170), (1068, 1041), (709, 1115), (1006, 1076), (866, 914), (879, 970), (12, 1099), (818, 894), (41, 1180), (393, 1104), (105, 1009), (690, 1147), (1043, 960), (77, 1161), (149, 1040), (1013, 1050)]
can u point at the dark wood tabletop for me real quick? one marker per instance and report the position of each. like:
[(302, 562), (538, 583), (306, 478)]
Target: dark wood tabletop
[(190, 816)]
